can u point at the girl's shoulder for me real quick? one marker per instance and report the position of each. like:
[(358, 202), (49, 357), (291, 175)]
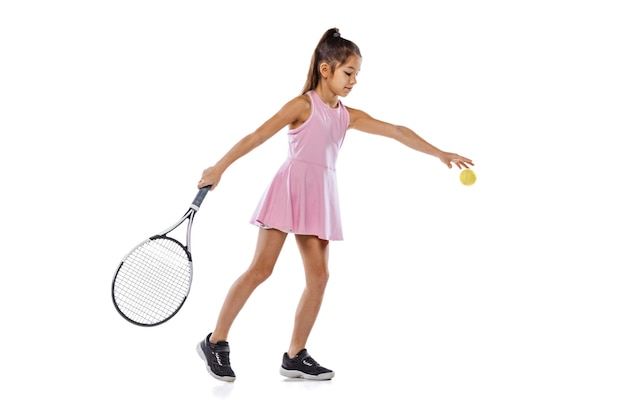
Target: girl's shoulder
[(299, 108), (302, 101), (355, 113), (357, 116), (300, 105)]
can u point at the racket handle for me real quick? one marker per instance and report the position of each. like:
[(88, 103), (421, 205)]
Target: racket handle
[(200, 197)]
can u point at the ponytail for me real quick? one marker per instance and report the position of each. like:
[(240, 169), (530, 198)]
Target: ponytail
[(332, 49)]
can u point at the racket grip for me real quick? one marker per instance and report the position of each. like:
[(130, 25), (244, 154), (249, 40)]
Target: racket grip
[(200, 197)]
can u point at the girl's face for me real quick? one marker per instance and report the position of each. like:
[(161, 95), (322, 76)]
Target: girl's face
[(344, 77)]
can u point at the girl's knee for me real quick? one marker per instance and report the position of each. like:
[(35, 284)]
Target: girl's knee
[(258, 274), (318, 280)]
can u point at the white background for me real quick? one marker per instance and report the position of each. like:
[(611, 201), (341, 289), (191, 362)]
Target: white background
[(504, 299)]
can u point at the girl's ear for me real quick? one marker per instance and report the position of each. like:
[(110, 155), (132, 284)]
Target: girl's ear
[(324, 69)]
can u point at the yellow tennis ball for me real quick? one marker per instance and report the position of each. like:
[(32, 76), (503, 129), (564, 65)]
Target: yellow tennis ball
[(468, 177)]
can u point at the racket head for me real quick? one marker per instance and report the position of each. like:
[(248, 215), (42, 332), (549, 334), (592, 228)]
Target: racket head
[(152, 282)]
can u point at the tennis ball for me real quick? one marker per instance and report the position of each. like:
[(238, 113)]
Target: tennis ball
[(468, 177)]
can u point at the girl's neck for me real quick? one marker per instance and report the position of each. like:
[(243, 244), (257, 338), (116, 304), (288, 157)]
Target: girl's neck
[(331, 100)]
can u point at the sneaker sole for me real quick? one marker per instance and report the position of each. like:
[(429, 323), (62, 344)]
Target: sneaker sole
[(206, 362), (297, 374)]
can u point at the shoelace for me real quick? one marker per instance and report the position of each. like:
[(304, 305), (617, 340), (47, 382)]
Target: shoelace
[(310, 362), (222, 358)]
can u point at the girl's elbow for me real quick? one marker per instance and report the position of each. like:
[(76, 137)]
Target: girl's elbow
[(398, 132)]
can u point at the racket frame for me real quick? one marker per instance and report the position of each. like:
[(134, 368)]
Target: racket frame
[(188, 216)]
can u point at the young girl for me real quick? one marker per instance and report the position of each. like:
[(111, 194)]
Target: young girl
[(302, 198)]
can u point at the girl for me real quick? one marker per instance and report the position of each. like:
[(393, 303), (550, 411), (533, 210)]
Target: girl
[(302, 198)]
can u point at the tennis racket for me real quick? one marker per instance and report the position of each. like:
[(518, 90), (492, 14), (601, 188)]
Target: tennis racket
[(152, 282)]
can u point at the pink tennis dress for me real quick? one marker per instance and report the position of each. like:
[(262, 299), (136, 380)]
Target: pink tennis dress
[(303, 198)]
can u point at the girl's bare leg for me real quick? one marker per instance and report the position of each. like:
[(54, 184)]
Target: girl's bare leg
[(314, 252), (269, 244)]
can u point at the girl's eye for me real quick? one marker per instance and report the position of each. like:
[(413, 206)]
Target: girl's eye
[(347, 73)]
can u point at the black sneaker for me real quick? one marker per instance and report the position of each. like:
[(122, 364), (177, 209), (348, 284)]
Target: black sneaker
[(217, 359), (303, 366)]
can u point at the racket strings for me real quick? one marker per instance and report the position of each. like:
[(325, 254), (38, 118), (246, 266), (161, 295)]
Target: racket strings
[(153, 281)]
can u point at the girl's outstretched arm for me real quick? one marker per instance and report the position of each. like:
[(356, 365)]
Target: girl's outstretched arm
[(295, 111), (361, 121)]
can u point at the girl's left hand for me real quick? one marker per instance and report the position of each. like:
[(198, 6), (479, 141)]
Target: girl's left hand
[(449, 158)]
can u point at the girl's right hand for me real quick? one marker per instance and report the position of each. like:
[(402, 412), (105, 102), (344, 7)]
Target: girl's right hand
[(210, 177), (449, 158)]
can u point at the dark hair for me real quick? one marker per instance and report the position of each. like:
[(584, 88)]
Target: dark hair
[(334, 50)]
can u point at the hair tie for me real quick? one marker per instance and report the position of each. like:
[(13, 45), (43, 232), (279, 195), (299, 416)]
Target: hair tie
[(336, 34)]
